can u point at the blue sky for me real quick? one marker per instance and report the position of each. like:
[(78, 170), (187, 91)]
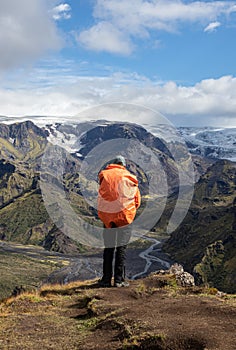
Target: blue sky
[(176, 57)]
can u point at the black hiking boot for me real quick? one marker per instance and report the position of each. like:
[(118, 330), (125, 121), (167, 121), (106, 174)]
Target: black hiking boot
[(104, 284)]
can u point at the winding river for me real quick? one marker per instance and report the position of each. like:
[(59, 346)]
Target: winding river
[(149, 258)]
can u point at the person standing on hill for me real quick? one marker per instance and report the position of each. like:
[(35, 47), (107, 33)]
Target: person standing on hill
[(118, 200)]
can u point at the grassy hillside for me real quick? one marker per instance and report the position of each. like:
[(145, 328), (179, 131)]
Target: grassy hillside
[(24, 219), (15, 269)]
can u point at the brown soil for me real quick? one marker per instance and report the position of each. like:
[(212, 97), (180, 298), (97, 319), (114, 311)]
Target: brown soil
[(150, 314)]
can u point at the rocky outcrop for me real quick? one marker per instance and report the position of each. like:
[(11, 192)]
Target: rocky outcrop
[(56, 241), (183, 278)]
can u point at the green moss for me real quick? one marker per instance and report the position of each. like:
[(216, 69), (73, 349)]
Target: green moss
[(21, 216), (215, 269)]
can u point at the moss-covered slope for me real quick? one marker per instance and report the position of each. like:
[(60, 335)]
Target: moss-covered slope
[(205, 242)]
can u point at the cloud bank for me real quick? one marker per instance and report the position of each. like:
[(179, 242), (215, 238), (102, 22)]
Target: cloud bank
[(209, 102), (121, 23), (28, 30)]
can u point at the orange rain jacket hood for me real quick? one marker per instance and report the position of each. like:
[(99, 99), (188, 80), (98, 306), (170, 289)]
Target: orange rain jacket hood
[(118, 196)]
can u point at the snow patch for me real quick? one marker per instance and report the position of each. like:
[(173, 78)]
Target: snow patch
[(67, 141)]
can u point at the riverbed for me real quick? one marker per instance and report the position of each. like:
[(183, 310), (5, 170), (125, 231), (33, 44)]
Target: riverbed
[(139, 263)]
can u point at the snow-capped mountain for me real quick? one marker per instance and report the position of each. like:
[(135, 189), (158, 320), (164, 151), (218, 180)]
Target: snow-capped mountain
[(211, 142), (206, 141)]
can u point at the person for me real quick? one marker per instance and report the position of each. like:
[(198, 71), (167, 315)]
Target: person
[(118, 200)]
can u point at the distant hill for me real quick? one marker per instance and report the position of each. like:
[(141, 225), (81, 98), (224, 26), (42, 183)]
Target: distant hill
[(205, 242)]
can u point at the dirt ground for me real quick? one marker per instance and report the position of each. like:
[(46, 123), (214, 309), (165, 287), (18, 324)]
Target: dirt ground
[(152, 313)]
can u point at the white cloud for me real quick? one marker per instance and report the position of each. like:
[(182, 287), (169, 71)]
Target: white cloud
[(62, 11), (27, 31), (209, 102), (212, 26), (140, 18), (105, 37)]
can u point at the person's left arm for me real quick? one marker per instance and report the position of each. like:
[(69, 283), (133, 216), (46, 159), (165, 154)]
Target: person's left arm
[(137, 199)]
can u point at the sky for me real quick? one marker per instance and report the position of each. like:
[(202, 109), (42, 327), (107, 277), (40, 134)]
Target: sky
[(177, 57)]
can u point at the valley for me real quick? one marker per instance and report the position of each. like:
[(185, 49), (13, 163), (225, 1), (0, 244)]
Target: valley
[(51, 267), (203, 241)]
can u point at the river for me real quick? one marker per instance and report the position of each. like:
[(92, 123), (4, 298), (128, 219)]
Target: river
[(150, 258)]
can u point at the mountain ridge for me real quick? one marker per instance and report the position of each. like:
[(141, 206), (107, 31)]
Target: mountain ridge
[(210, 224)]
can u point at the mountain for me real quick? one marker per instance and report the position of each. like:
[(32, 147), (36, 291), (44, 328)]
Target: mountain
[(207, 231), (215, 143), (23, 216), (22, 141), (205, 242), (211, 142), (106, 132), (169, 154)]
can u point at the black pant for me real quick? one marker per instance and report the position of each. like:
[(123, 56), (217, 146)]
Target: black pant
[(115, 240)]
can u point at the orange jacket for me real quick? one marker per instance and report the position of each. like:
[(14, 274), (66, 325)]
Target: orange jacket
[(118, 196)]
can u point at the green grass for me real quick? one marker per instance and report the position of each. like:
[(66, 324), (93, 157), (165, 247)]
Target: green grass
[(19, 270), (21, 216)]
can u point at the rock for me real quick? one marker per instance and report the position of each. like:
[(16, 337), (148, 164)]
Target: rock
[(176, 269), (183, 278), (220, 294)]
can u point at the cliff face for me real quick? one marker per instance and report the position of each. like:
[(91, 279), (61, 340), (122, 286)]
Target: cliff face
[(205, 242), (22, 141), (22, 145)]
